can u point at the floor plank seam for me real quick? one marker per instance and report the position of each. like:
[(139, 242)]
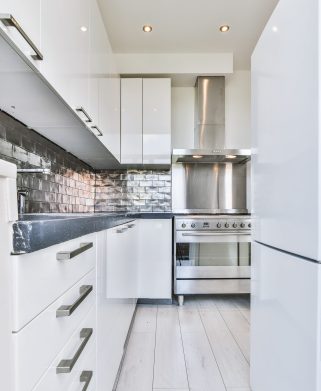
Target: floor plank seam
[(180, 332), (209, 342), (155, 342), (231, 332)]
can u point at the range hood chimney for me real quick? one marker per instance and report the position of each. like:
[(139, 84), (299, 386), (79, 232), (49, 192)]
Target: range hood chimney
[(209, 130)]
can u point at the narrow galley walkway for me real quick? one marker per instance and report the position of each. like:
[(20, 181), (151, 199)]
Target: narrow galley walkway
[(202, 346)]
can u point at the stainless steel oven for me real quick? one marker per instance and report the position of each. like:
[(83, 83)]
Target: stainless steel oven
[(212, 254)]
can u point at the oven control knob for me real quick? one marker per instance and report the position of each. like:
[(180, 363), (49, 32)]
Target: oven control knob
[(183, 225), (250, 225), (242, 225), (234, 225), (193, 225), (219, 225), (227, 225)]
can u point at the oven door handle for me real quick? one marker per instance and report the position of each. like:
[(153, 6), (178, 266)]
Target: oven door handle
[(215, 233)]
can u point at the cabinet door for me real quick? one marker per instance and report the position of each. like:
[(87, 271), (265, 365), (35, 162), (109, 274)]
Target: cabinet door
[(109, 109), (65, 40), (155, 259), (122, 262), (27, 14), (131, 121), (156, 121)]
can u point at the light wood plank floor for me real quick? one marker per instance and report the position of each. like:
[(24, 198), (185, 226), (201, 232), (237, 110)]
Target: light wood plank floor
[(202, 346)]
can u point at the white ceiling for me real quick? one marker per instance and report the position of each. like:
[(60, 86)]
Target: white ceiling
[(187, 26)]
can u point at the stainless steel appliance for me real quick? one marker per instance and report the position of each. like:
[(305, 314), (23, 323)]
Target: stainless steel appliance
[(212, 254), (218, 188)]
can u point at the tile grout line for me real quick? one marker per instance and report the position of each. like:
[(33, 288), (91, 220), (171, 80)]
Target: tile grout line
[(155, 342), (180, 332), (208, 340), (233, 337)]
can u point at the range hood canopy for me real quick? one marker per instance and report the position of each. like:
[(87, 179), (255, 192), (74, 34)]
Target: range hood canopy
[(209, 129), (235, 156)]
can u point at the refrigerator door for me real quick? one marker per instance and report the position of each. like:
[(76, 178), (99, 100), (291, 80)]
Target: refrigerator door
[(285, 130), (285, 327), (8, 213)]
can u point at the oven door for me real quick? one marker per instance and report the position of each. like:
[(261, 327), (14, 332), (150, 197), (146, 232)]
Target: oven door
[(212, 255)]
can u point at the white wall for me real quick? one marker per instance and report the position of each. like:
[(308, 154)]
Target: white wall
[(237, 113), (183, 99), (238, 110)]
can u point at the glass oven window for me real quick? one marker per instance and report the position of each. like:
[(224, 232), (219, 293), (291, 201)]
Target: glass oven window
[(213, 254)]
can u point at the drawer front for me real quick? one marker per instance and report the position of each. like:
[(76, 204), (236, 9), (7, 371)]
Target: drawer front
[(53, 381), (37, 344), (38, 279)]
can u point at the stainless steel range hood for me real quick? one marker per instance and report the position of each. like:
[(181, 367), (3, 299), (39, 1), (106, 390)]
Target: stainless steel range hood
[(209, 130)]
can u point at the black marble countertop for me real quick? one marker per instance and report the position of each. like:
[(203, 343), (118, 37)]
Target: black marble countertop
[(33, 232)]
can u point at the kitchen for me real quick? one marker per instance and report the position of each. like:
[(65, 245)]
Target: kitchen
[(153, 214)]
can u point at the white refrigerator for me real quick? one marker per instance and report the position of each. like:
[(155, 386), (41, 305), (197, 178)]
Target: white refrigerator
[(286, 269), (8, 214)]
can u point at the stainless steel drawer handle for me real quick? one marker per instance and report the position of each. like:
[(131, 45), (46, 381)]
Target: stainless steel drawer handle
[(100, 133), (67, 310), (9, 21), (66, 366), (121, 230), (86, 377), (81, 109), (65, 255)]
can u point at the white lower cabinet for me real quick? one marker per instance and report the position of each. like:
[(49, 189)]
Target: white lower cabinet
[(122, 262), (80, 350), (46, 335), (54, 317), (39, 278), (155, 258)]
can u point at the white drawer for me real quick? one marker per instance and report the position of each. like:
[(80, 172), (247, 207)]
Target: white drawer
[(51, 381), (37, 344), (38, 279)]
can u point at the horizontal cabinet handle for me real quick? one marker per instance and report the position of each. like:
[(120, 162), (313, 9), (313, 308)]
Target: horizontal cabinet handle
[(66, 366), (100, 133), (86, 377), (10, 21), (67, 310), (216, 233), (81, 109), (65, 255), (121, 230), (131, 225)]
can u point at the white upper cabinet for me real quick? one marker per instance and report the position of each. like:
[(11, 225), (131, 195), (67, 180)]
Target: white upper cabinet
[(156, 121), (131, 121), (27, 15), (104, 85), (65, 42), (146, 121)]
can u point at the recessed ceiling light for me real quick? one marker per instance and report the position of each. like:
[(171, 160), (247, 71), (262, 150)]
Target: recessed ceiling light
[(147, 28), (83, 29), (275, 29), (197, 156), (225, 28), (230, 156)]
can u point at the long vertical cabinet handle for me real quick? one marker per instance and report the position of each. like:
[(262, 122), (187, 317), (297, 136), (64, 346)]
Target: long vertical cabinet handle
[(66, 366), (86, 377), (67, 310), (9, 21)]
